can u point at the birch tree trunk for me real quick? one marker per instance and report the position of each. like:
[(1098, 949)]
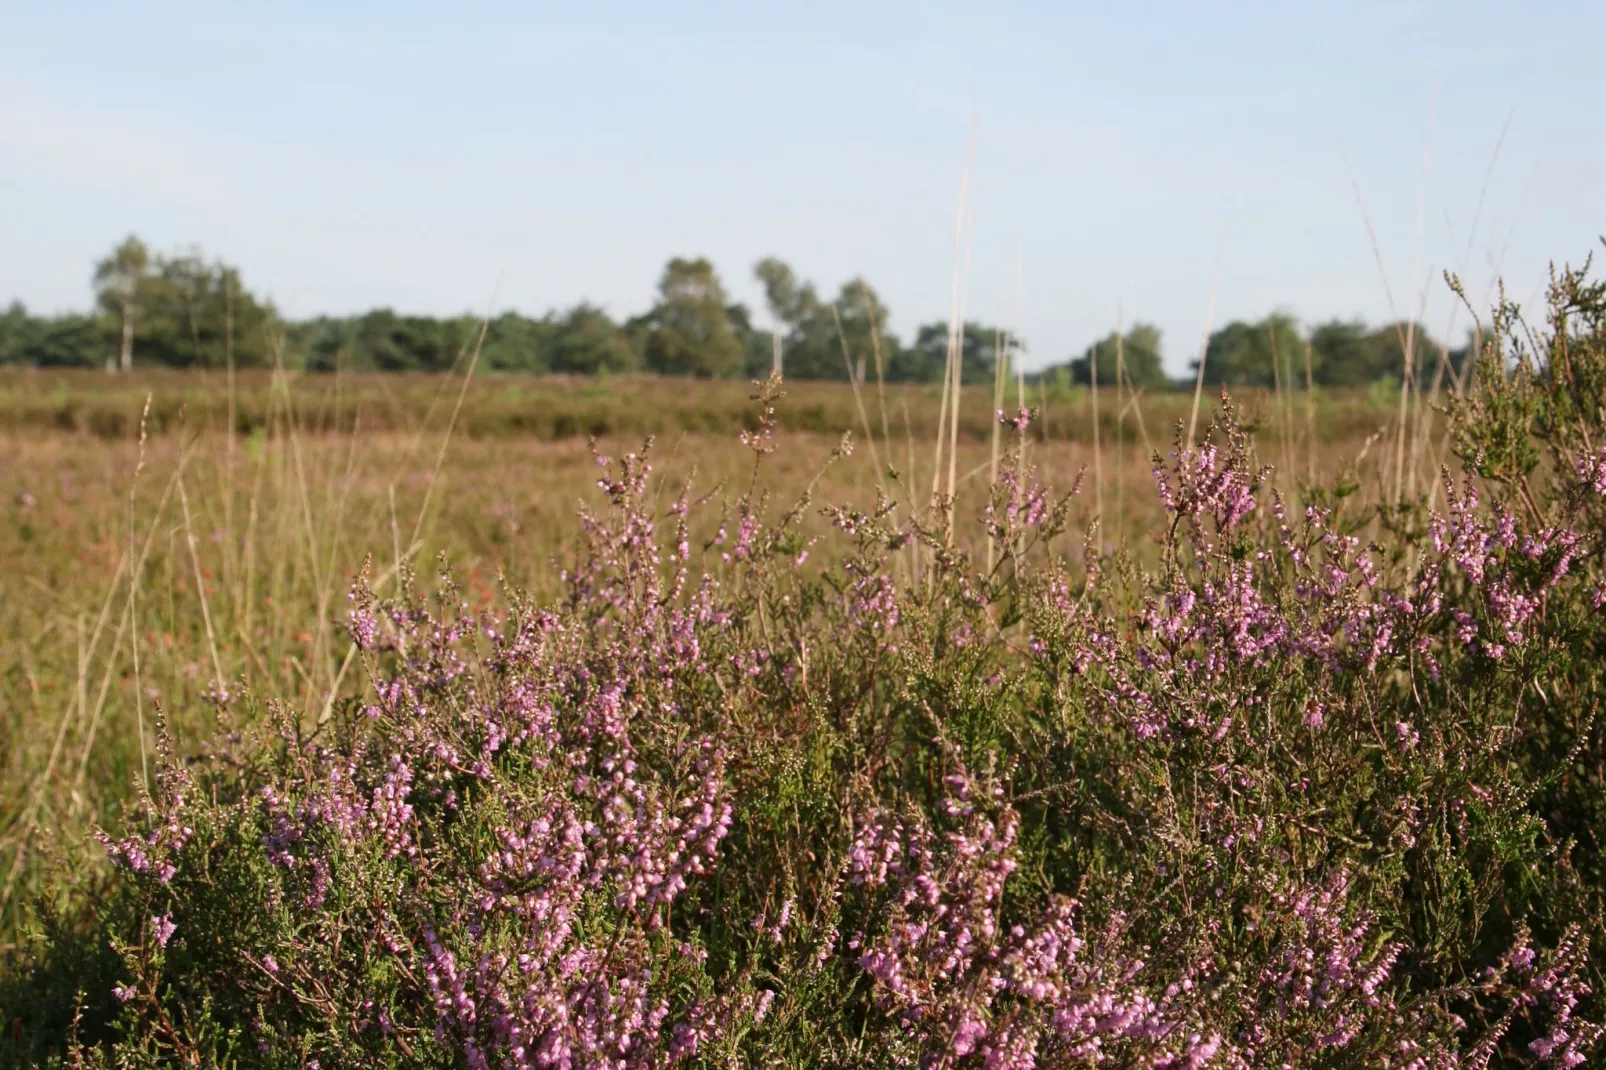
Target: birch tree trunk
[(126, 357)]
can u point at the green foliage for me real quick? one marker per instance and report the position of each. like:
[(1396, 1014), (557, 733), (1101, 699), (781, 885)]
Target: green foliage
[(381, 340), (1348, 353), (585, 341), (758, 345), (809, 346), (118, 278), (582, 341), (829, 339), (178, 311), (69, 341), (688, 332), (182, 311), (1383, 391), (924, 361), (1254, 354), (1541, 393), (119, 273), (515, 343), (191, 314), (1137, 355)]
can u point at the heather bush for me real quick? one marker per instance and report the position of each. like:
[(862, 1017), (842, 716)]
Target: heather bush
[(1323, 787)]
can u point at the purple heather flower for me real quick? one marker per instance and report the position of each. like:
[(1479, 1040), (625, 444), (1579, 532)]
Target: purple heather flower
[(163, 927)]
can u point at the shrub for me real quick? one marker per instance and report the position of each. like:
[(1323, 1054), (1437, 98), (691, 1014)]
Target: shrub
[(1294, 798)]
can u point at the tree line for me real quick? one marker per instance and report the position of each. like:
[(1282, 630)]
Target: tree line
[(185, 311)]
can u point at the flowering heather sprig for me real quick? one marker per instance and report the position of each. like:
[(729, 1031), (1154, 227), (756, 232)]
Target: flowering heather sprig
[(1015, 507), (155, 852), (1511, 573), (1209, 481), (162, 928), (1018, 421), (1591, 469), (766, 394), (966, 984)]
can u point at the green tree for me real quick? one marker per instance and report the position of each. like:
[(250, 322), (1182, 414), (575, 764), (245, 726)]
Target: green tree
[(758, 345), (318, 344), (1348, 353), (1387, 345), (688, 331), (72, 340), (1340, 354), (117, 280), (193, 313), (1253, 354), (791, 301), (382, 340), (15, 327), (926, 359), (1137, 355), (516, 343), (586, 341), (864, 329), (69, 341), (809, 348), (818, 331), (390, 342)]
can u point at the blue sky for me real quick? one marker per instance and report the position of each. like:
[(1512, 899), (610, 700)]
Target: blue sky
[(351, 155)]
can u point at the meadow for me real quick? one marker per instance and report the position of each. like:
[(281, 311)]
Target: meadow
[(1242, 726)]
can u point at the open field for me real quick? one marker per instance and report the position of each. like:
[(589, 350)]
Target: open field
[(561, 407)]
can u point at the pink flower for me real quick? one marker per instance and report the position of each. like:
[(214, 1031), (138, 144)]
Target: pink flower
[(163, 928)]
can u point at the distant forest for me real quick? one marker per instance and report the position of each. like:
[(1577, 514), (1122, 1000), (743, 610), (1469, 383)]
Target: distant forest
[(185, 311)]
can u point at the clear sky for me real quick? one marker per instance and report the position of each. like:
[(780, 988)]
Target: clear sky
[(351, 155)]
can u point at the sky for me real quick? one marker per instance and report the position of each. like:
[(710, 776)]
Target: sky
[(1174, 163)]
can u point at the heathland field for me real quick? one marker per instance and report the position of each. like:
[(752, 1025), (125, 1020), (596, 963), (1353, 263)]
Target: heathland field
[(241, 548), (780, 752), (215, 558)]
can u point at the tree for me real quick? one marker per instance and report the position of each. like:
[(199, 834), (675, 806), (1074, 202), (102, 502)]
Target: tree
[(68, 341), (1253, 354), (587, 342), (688, 331), (809, 349), (182, 310), (758, 345), (65, 341), (827, 340), (319, 344), (15, 328), (390, 342), (1387, 346), (926, 359), (790, 301), (1347, 353), (515, 343), (863, 325), (117, 279), (1137, 356), (195, 313), (1340, 355)]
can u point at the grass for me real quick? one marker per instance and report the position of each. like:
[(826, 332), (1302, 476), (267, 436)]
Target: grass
[(559, 407)]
